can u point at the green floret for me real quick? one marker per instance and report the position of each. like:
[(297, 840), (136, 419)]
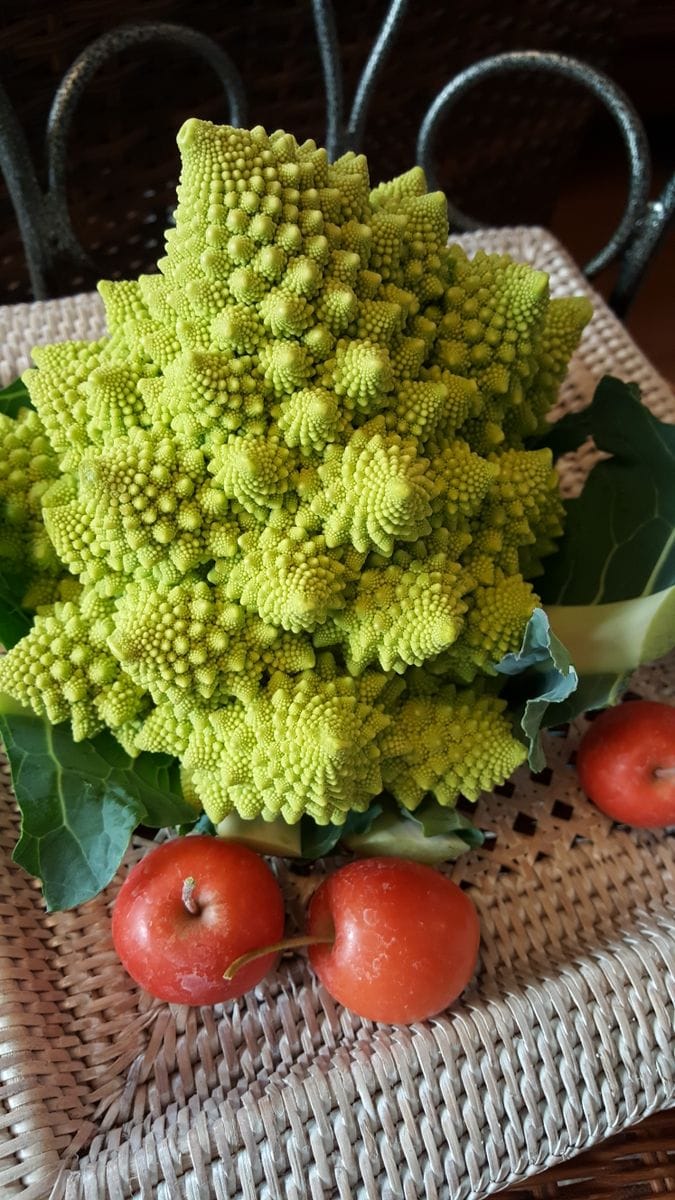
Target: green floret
[(493, 628), (218, 762), (290, 580), (462, 483), (164, 731), (376, 492), (460, 745), (125, 307), (524, 508), (362, 376), (310, 419), (179, 643), (114, 400), (400, 616), (255, 471), (28, 466), (306, 430), (493, 316), (564, 323), (420, 409), (316, 749), (301, 746), (62, 672)]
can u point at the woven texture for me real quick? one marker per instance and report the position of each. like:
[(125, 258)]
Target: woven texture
[(564, 1037)]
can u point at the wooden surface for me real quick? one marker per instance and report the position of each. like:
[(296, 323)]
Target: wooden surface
[(640, 1162)]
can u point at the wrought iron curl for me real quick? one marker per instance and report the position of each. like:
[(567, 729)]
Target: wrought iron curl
[(329, 52), (649, 233), (43, 215), (86, 65), (341, 135), (371, 71), (620, 107)]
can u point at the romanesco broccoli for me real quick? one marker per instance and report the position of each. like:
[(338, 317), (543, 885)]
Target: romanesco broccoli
[(279, 522)]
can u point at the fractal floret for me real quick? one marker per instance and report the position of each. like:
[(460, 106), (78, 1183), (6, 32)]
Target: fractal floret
[(281, 521)]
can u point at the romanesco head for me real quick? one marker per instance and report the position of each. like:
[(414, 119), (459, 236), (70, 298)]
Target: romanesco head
[(291, 483)]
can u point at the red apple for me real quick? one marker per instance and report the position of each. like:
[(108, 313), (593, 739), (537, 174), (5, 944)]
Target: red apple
[(189, 909), (626, 763), (400, 941)]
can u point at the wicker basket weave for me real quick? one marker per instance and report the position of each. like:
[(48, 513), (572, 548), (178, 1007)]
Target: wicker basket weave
[(564, 1037)]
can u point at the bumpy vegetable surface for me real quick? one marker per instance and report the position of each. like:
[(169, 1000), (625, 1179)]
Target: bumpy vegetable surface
[(279, 522)]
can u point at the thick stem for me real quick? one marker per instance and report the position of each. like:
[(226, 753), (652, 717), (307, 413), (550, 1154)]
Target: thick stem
[(291, 943), (188, 895), (664, 772), (613, 639)]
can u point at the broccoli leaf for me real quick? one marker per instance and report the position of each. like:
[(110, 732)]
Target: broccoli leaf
[(607, 642), (15, 622), (619, 538), (437, 820), (203, 824), (542, 676), (431, 834), (14, 397), (319, 840), (80, 802), (610, 589)]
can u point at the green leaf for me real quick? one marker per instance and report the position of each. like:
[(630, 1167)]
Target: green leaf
[(358, 823), (319, 840), (619, 538), (607, 642), (593, 691), (613, 639), (431, 834), (610, 589), (439, 821), (15, 622), (80, 802), (203, 824), (573, 429), (542, 676), (14, 397)]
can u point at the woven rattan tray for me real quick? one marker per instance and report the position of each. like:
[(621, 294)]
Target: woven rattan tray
[(564, 1038)]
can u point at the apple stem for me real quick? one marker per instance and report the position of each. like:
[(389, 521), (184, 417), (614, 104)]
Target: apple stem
[(188, 895), (664, 772), (291, 943)]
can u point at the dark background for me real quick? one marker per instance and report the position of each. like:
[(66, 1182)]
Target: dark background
[(522, 150)]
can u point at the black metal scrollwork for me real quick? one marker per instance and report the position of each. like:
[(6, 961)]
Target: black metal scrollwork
[(43, 216)]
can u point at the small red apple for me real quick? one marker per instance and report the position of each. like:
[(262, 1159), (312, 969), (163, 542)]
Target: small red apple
[(626, 763), (393, 940), (187, 910)]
